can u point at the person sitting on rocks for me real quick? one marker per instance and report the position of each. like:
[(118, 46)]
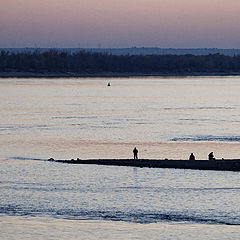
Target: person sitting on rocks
[(211, 156), (192, 157)]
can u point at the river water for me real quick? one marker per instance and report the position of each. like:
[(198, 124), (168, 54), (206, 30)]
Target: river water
[(163, 117)]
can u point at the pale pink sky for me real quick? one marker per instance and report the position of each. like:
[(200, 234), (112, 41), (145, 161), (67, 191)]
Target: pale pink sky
[(120, 23)]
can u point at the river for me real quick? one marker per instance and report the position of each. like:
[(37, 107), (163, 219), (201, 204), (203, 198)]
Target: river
[(84, 118)]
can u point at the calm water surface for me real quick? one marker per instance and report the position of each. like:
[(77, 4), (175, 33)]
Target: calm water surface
[(163, 117)]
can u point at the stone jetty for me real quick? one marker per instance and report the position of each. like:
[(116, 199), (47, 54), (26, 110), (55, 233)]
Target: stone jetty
[(222, 165)]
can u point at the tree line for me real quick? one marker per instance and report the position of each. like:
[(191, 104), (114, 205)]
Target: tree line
[(54, 61)]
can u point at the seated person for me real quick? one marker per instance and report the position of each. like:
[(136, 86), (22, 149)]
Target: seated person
[(192, 157), (211, 156)]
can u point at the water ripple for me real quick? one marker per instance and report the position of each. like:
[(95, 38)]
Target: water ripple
[(207, 138), (135, 217)]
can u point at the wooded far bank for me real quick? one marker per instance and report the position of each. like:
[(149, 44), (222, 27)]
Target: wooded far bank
[(83, 63)]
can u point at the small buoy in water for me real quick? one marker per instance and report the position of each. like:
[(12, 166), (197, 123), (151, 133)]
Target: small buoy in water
[(109, 84)]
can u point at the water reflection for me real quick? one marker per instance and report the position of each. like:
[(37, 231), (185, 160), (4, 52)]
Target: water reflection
[(70, 118)]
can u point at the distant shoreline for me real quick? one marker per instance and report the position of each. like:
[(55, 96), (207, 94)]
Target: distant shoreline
[(109, 75), (55, 64)]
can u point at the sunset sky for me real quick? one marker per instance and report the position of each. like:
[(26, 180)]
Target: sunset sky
[(120, 23)]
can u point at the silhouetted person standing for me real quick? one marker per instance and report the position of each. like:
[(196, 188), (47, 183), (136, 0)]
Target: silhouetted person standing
[(211, 156), (192, 157), (135, 153)]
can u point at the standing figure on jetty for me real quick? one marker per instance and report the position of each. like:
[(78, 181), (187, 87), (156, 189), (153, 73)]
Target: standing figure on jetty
[(211, 156), (192, 157), (135, 153)]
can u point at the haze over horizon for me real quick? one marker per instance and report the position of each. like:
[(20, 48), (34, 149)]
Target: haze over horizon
[(115, 24)]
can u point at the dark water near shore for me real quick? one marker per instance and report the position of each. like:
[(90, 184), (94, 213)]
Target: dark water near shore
[(69, 118), (119, 193)]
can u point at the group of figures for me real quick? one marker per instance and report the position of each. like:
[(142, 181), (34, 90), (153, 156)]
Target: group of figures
[(192, 157), (210, 156)]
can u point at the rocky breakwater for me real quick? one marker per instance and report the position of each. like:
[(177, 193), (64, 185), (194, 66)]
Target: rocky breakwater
[(223, 165)]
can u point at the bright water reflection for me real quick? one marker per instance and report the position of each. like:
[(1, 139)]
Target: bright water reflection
[(66, 118), (69, 118)]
